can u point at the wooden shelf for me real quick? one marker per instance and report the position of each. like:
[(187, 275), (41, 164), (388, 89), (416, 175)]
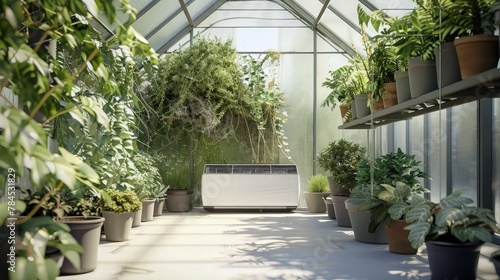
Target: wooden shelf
[(484, 85)]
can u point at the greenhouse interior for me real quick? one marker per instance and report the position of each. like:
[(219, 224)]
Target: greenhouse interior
[(250, 139)]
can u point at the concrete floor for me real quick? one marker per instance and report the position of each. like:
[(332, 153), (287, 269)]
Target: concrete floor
[(297, 245)]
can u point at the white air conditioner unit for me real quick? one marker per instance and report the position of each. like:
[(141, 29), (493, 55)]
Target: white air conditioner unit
[(250, 186)]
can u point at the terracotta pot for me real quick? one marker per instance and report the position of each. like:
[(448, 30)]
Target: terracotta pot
[(476, 54), (376, 105), (397, 237), (390, 97), (344, 108)]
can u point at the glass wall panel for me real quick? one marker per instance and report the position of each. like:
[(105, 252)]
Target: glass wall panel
[(496, 157), (464, 149), (400, 135), (297, 82), (436, 153)]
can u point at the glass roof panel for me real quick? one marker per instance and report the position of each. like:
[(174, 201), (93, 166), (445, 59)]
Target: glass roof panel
[(160, 12)]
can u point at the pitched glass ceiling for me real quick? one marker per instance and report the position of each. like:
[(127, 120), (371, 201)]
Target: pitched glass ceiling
[(166, 23)]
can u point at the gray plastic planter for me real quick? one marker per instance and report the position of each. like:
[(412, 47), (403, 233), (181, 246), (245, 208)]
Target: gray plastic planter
[(148, 209), (117, 226)]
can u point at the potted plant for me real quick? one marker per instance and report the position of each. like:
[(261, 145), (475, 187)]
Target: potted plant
[(398, 200), (389, 169), (118, 213), (453, 232), (159, 192), (147, 183), (81, 216), (342, 91), (179, 193), (341, 159), (362, 192), (473, 22), (317, 190), (385, 62)]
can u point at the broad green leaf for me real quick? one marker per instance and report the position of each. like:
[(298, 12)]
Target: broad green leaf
[(418, 213), (24, 270), (398, 210), (418, 233)]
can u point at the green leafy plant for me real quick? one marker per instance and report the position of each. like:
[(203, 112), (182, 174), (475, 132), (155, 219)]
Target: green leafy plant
[(318, 183), (121, 201), (146, 179), (32, 66), (466, 17), (451, 220), (341, 158), (394, 169)]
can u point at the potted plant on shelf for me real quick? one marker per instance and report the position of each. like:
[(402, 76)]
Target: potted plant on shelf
[(317, 190), (118, 213), (362, 192), (453, 232), (385, 62), (341, 159), (473, 22), (342, 91)]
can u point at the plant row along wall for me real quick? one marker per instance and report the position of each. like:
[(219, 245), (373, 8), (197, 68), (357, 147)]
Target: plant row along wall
[(206, 102), (74, 89)]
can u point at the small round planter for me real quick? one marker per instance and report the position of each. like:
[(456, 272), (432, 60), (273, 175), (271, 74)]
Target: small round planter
[(344, 108), (362, 108), (148, 209), (449, 260), (341, 213), (159, 203), (179, 200), (397, 237), (422, 75), (117, 226), (329, 207), (447, 67), (390, 97), (87, 232), (314, 201), (360, 222), (402, 86), (137, 219)]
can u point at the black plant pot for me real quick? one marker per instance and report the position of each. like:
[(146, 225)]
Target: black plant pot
[(495, 259), (448, 260)]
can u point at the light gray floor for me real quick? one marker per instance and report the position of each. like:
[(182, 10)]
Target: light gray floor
[(297, 245)]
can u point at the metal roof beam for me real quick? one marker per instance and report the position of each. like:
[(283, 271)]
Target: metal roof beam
[(369, 5), (318, 18), (188, 28), (342, 17), (164, 22), (321, 28), (186, 12), (146, 8)]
